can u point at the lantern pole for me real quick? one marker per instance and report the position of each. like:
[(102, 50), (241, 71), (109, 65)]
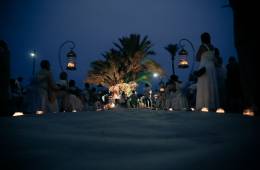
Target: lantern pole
[(60, 49), (33, 55), (181, 44)]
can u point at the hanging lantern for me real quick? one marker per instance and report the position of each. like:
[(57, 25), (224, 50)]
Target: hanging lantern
[(71, 65), (183, 62)]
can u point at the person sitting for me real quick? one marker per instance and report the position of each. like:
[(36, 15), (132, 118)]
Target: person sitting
[(73, 102), (179, 99)]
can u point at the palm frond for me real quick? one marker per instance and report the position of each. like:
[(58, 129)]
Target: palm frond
[(127, 62)]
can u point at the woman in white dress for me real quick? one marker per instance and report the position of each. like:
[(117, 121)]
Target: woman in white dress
[(72, 101), (178, 99), (46, 89), (207, 86)]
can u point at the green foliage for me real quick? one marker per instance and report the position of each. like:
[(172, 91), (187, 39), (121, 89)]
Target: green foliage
[(128, 61)]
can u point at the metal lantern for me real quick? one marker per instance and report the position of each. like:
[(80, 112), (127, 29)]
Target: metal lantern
[(71, 56), (183, 54), (183, 62)]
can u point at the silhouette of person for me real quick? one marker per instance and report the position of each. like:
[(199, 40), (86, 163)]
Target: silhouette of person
[(233, 85), (221, 73), (147, 95), (63, 88), (4, 77)]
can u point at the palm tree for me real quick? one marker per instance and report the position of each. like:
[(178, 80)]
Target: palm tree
[(172, 49), (127, 62), (106, 72)]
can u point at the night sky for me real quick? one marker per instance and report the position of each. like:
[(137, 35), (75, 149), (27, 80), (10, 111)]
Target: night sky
[(94, 25)]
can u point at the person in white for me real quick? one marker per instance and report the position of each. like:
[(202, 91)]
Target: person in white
[(207, 86), (72, 100), (170, 90), (175, 99), (46, 89), (180, 102)]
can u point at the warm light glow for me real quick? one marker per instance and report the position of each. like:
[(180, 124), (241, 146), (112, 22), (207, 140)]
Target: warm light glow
[(71, 65), (220, 110), (204, 109), (127, 88), (18, 114), (183, 62), (112, 105), (109, 106), (161, 89), (248, 112), (39, 112), (155, 74)]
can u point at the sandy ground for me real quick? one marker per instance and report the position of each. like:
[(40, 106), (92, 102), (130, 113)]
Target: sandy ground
[(130, 139)]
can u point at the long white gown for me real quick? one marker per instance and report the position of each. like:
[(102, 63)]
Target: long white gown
[(207, 86)]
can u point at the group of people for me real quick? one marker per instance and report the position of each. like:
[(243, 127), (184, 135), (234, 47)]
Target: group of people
[(211, 86), (169, 96), (45, 95)]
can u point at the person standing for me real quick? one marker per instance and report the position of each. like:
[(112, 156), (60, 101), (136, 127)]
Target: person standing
[(170, 92), (62, 93), (148, 95), (234, 94), (4, 78), (207, 89), (46, 88), (221, 74)]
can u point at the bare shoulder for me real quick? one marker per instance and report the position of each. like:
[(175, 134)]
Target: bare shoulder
[(201, 50)]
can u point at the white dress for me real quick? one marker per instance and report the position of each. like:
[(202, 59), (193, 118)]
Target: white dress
[(207, 86), (179, 100), (44, 78)]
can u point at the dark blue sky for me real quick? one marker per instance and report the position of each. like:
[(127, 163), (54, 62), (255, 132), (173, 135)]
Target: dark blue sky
[(95, 24)]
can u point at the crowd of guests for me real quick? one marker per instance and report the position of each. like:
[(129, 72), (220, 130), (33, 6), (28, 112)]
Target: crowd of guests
[(212, 85)]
